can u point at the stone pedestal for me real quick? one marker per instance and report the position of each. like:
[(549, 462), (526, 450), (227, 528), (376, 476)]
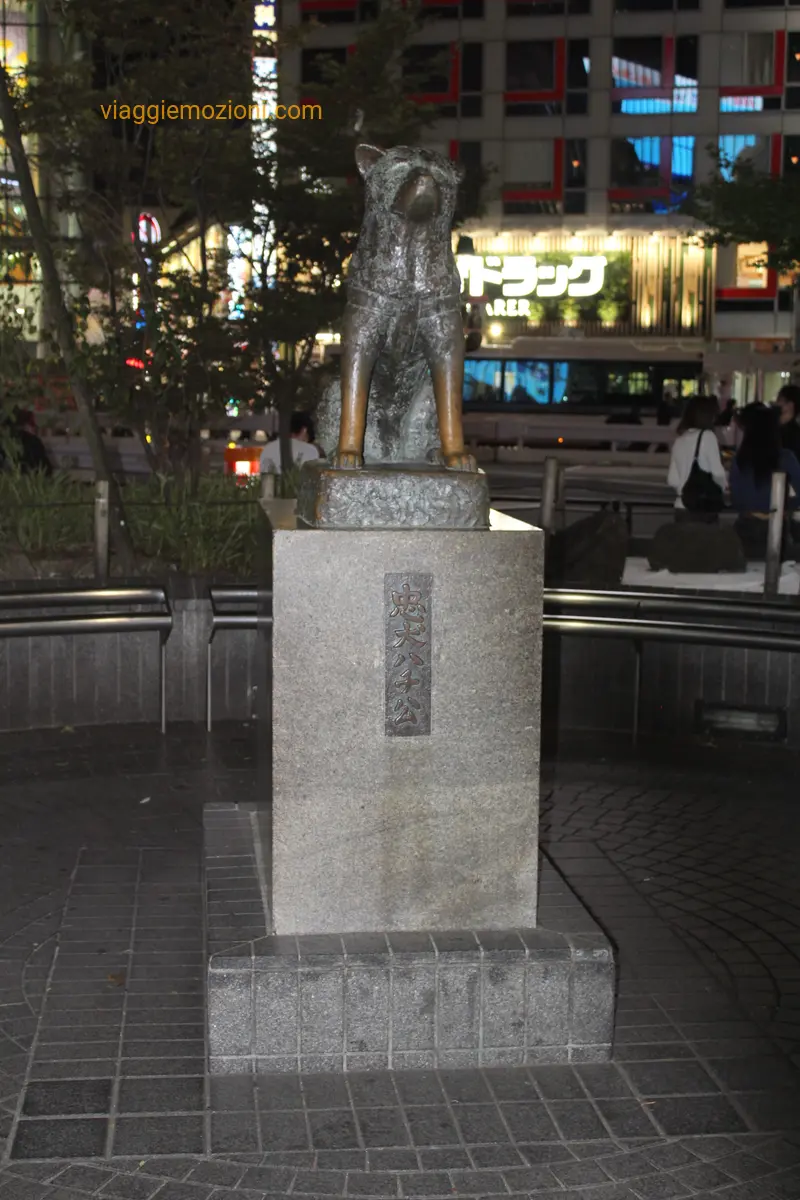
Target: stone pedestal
[(404, 920), (405, 685)]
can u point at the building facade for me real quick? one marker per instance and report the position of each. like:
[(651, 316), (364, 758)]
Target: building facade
[(594, 118)]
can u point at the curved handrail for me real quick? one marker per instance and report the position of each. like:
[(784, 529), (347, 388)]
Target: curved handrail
[(674, 631), (75, 597)]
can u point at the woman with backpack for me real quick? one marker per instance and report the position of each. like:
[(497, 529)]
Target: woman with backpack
[(695, 466)]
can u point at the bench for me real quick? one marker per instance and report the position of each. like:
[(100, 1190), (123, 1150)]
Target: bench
[(40, 621)]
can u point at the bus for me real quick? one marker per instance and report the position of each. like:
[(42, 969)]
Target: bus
[(501, 381)]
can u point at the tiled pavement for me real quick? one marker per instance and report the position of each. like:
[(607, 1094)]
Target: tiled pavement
[(691, 868)]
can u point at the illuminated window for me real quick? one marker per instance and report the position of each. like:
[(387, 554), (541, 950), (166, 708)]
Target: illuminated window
[(746, 59), (654, 75), (751, 71), (750, 269), (650, 174), (740, 148)]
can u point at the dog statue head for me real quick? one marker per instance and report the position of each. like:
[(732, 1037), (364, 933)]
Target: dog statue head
[(413, 183)]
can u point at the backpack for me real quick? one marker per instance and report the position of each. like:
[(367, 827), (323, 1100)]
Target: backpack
[(701, 492)]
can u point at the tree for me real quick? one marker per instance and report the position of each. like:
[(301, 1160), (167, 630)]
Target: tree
[(98, 120), (294, 209), (63, 327), (741, 204)]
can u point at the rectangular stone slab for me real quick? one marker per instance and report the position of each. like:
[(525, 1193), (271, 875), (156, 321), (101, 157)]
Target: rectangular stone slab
[(434, 832)]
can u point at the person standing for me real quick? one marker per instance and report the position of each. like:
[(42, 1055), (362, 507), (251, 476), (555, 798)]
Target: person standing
[(31, 454), (787, 403), (759, 456), (696, 445), (302, 442)]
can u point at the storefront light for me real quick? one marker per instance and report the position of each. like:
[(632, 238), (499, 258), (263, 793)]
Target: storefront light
[(495, 331)]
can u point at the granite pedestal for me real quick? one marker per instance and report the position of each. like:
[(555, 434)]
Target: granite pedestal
[(405, 734), (399, 907)]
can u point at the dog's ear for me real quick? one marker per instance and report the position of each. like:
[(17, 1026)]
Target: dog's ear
[(366, 158)]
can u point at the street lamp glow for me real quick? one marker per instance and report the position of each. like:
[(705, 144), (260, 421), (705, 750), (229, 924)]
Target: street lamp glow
[(495, 331)]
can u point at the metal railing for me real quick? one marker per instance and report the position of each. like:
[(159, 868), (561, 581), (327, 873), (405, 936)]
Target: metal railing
[(553, 507), (126, 617), (633, 616)]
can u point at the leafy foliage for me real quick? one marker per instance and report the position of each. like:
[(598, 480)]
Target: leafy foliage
[(211, 533), (741, 204)]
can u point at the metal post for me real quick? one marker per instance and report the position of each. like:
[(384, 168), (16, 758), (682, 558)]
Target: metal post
[(550, 487), (561, 497), (772, 563), (101, 531), (208, 687), (163, 685), (268, 486), (637, 691)]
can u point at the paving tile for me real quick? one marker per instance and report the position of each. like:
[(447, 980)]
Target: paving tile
[(284, 1131), (333, 1129), (530, 1122), (173, 1190), (64, 1098), (480, 1124), (75, 1138), (432, 1125), (158, 1135), (576, 1119), (131, 1187), (696, 1114), (382, 1127), (161, 1095), (83, 1177), (670, 1078)]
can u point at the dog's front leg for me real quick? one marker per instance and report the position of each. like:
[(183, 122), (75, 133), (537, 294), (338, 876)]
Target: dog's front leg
[(361, 343), (443, 339)]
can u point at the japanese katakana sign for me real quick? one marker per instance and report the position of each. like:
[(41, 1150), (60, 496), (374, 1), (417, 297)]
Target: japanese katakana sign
[(512, 281), (407, 600)]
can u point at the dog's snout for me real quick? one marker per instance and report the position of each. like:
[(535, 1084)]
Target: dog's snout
[(419, 198)]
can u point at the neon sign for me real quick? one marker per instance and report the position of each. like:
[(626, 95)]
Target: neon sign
[(521, 277)]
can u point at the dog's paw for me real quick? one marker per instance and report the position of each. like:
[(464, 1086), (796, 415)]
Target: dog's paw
[(346, 460), (460, 462)]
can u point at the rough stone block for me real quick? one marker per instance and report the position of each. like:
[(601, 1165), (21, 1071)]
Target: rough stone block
[(392, 496), (275, 999)]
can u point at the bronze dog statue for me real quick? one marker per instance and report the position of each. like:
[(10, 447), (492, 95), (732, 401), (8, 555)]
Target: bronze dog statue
[(403, 316)]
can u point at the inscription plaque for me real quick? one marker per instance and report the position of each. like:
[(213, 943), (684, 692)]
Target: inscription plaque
[(407, 603)]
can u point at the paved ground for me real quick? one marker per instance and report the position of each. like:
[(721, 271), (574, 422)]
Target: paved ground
[(690, 866)]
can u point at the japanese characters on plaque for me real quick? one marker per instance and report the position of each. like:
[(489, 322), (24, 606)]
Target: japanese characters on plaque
[(407, 602)]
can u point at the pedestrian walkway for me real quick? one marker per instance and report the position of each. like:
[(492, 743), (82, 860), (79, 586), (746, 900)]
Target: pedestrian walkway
[(691, 869)]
